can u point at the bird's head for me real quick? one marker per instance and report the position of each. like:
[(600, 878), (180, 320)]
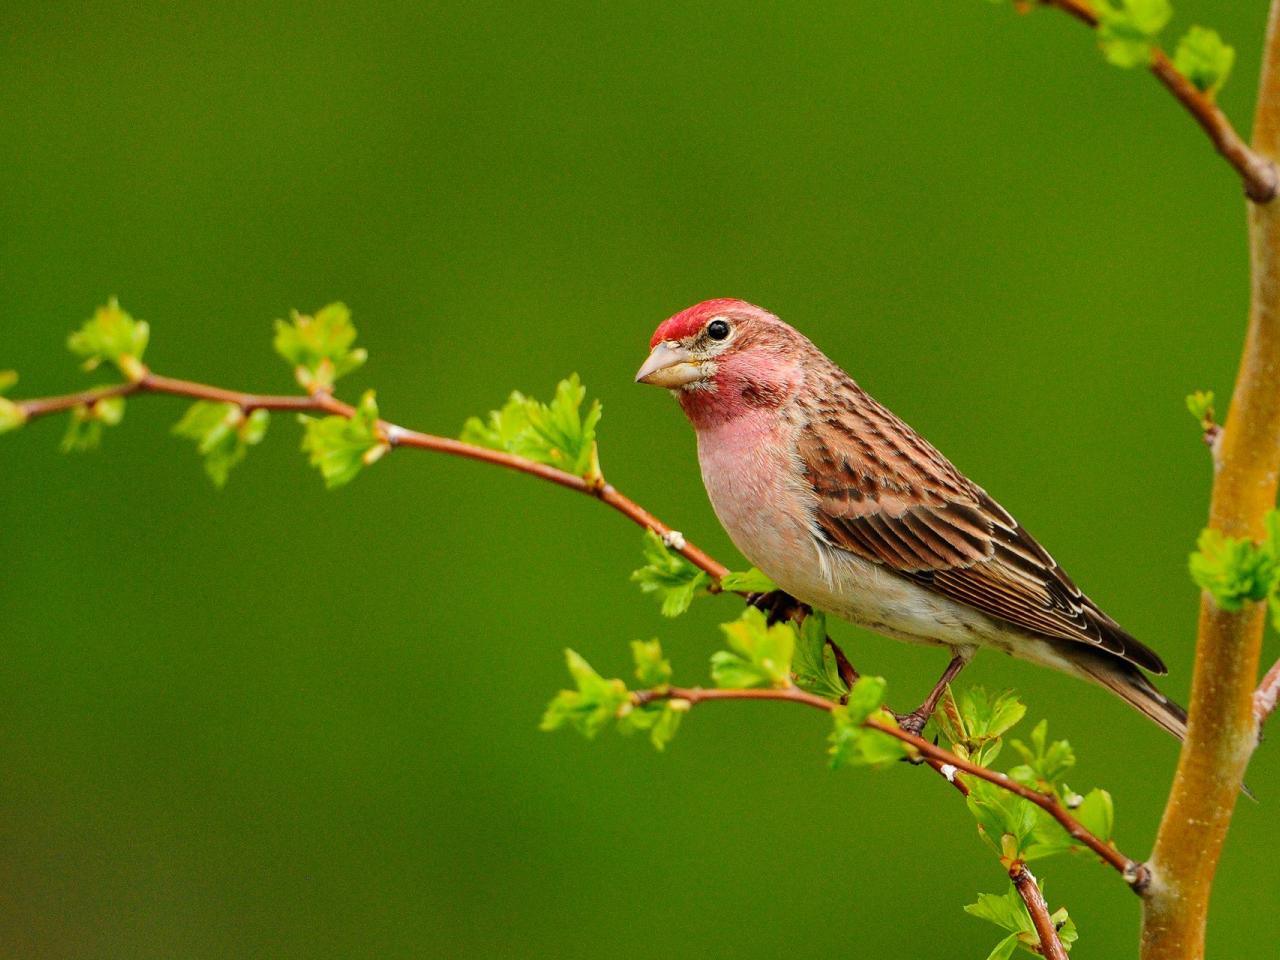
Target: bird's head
[(723, 358)]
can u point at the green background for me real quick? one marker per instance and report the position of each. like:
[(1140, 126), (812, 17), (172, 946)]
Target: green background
[(280, 722)]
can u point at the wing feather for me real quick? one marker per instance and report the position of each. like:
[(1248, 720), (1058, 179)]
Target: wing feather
[(885, 494)]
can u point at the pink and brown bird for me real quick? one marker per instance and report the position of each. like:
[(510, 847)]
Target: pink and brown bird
[(850, 510)]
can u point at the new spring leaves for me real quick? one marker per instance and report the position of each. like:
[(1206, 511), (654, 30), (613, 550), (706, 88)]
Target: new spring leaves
[(1129, 32), (320, 349)]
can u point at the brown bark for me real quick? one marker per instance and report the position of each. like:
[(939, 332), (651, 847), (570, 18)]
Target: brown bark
[(1223, 728)]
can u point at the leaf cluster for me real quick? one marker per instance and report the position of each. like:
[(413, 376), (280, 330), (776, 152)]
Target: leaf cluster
[(557, 434), (1009, 912), (855, 744), (669, 576), (1235, 570), (1129, 31), (340, 447), (112, 336), (759, 654), (320, 347), (974, 725), (87, 421), (595, 702), (814, 664), (222, 434)]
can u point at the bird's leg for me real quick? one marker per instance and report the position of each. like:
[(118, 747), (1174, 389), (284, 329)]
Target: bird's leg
[(779, 606), (914, 721)]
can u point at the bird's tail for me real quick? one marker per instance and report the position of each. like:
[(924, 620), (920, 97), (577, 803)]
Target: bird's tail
[(1132, 686)]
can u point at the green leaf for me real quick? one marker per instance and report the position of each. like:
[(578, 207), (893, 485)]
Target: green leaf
[(1066, 927), (1044, 763), (987, 715), (974, 722), (1006, 911), (589, 707), (668, 575), (112, 336), (339, 448), (222, 434), (1000, 813), (1127, 31), (1235, 571), (749, 581), (1097, 813), (814, 665), (759, 655), (668, 723), (1047, 838), (1009, 912), (652, 669), (660, 719), (84, 428), (556, 434), (1206, 61), (854, 745), (319, 347), (1200, 405)]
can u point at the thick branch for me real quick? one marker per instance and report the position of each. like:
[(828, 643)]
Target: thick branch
[(940, 759), (1257, 172), (1223, 726), (1050, 946)]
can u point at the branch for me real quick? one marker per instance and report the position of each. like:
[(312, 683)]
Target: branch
[(1050, 946), (1264, 699), (1257, 172), (1223, 724), (943, 761), (152, 383)]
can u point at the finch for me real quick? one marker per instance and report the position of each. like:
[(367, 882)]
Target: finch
[(850, 510)]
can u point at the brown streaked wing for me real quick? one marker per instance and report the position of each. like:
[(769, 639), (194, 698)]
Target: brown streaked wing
[(887, 495)]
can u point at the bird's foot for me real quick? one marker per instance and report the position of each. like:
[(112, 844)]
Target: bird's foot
[(914, 721), (778, 606)]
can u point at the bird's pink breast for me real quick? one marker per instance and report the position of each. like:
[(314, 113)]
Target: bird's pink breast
[(750, 478)]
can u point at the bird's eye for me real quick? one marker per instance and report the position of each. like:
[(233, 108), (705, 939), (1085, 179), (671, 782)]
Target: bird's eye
[(717, 329)]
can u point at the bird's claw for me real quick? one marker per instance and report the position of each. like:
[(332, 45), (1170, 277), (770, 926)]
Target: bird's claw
[(912, 722)]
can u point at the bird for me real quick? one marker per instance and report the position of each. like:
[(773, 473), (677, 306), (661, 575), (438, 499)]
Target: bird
[(849, 510)]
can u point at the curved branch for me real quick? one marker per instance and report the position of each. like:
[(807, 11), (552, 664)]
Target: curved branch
[(943, 761), (1257, 172), (149, 382)]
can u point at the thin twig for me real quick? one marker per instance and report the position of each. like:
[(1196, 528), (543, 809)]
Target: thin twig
[(1050, 946), (943, 761), (150, 382), (1258, 173)]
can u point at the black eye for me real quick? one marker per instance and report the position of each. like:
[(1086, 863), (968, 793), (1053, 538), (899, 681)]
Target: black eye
[(717, 329)]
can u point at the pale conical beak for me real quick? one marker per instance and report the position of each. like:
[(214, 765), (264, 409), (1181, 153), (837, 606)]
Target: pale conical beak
[(670, 365)]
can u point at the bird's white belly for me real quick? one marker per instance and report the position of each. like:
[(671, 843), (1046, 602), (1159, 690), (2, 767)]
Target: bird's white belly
[(767, 514)]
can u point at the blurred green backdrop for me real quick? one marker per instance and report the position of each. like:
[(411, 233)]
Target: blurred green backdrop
[(283, 723)]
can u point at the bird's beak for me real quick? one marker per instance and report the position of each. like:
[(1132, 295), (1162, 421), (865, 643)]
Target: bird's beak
[(670, 365)]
